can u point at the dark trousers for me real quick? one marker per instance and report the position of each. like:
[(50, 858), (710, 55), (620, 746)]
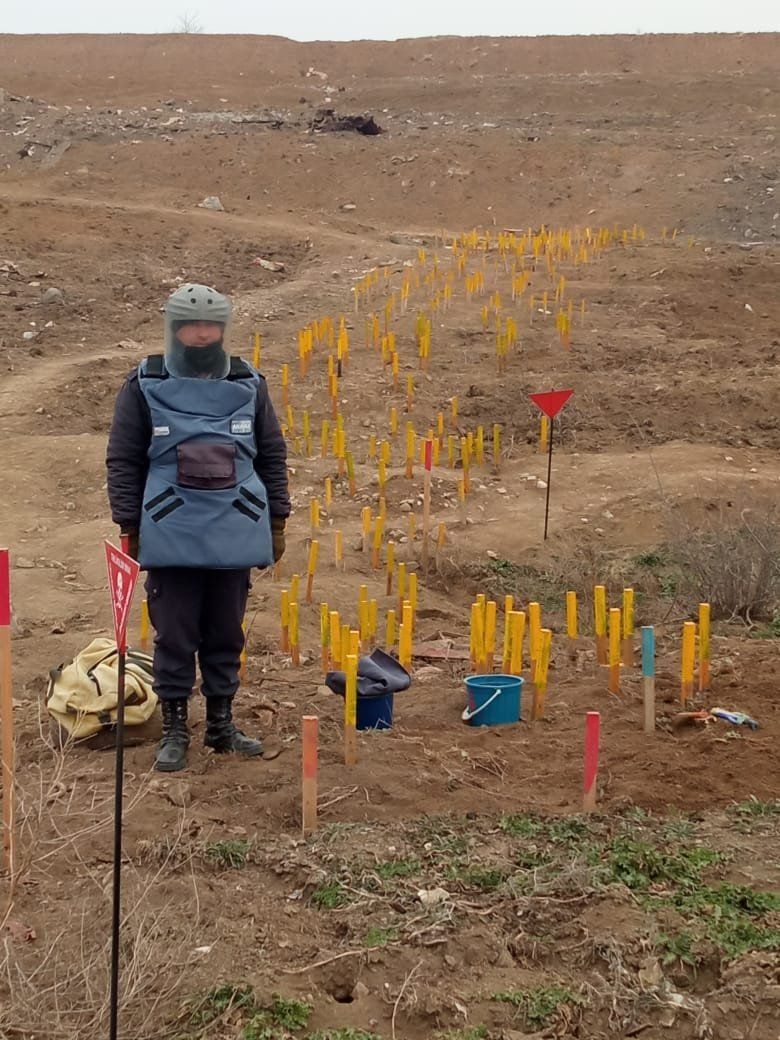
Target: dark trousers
[(196, 613)]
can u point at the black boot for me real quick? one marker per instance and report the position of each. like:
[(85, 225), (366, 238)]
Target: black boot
[(172, 752), (221, 733)]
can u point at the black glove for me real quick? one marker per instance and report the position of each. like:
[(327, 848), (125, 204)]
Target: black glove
[(277, 536), (132, 543)]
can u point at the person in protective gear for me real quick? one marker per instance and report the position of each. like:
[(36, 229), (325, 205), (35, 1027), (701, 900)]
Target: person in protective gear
[(197, 482)]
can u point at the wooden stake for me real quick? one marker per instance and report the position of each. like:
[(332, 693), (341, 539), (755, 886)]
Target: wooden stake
[(7, 717), (591, 762), (648, 676), (309, 773), (350, 712)]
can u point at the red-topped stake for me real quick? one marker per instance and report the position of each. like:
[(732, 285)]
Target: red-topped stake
[(6, 713), (550, 402)]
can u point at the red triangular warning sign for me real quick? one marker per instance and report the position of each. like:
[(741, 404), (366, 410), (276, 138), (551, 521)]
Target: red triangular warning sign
[(552, 401), (122, 576)]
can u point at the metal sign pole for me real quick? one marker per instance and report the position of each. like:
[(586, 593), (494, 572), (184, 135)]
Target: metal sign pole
[(549, 474), (117, 885)]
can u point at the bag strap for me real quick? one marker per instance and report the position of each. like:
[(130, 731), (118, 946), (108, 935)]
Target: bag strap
[(239, 369), (154, 367)]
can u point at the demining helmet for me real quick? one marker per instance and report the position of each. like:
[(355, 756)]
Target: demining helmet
[(196, 322)]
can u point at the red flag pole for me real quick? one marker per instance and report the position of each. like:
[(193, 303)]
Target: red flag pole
[(122, 576), (549, 475)]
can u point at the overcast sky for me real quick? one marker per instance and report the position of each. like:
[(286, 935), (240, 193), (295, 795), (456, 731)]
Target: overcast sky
[(369, 19)]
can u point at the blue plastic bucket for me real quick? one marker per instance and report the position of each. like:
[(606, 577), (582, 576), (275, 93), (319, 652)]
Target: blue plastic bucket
[(494, 700), (375, 712)]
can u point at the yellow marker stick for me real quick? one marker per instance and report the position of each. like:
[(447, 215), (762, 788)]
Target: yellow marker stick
[(614, 650), (544, 434), (688, 662), (295, 649), (413, 594), (365, 521), (324, 438), (284, 610), (540, 675), (311, 568), (325, 634), (350, 711), (534, 631), (338, 549), (506, 656), (571, 615), (144, 625), (628, 628), (704, 646), (328, 492), (517, 625), (600, 624), (490, 634), (390, 631), (401, 586), (407, 624)]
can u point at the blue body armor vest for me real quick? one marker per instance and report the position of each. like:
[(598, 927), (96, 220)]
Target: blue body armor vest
[(204, 505)]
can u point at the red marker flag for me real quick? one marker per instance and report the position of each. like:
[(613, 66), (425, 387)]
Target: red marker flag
[(428, 455), (123, 573), (551, 401)]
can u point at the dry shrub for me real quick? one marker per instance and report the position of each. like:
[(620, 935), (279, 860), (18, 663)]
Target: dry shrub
[(731, 560), (55, 984)]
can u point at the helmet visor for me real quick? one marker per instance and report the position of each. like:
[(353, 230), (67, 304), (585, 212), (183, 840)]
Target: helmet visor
[(196, 349)]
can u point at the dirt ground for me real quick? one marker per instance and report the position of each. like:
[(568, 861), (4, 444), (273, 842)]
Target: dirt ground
[(452, 890)]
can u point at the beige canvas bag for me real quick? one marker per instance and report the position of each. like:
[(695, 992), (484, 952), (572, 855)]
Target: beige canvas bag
[(82, 696)]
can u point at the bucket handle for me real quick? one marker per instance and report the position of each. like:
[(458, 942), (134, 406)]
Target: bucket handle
[(467, 715)]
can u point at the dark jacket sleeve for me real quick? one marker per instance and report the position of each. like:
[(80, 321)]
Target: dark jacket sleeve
[(271, 458), (127, 460)]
